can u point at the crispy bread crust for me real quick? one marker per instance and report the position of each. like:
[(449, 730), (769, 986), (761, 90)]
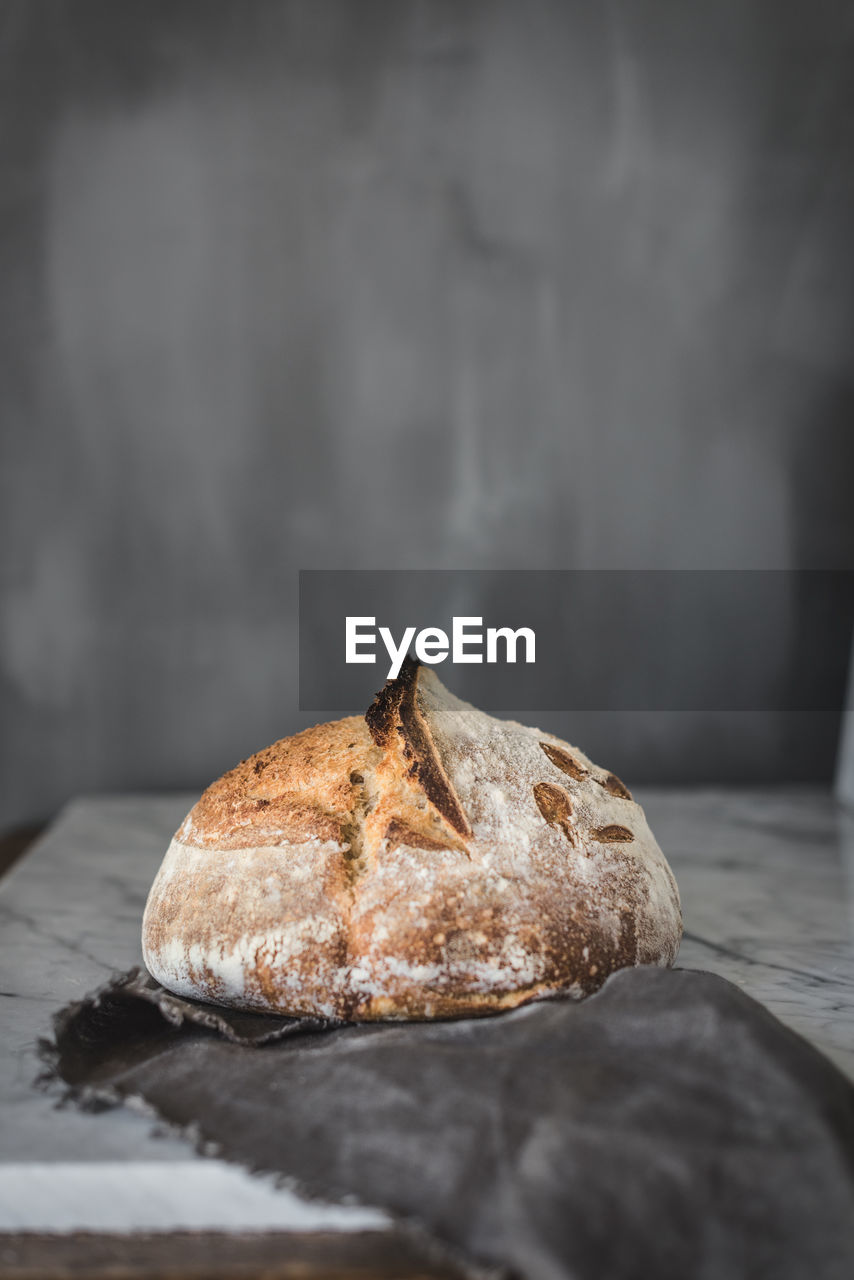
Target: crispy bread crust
[(425, 861), (396, 723)]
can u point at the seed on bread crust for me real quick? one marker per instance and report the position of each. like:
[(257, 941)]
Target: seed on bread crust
[(563, 760), (617, 788), (613, 834)]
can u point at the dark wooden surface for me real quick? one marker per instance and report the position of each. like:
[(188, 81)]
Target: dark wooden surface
[(191, 1255)]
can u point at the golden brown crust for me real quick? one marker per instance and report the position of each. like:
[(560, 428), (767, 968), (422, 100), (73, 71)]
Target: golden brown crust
[(427, 861), (396, 723), (295, 790)]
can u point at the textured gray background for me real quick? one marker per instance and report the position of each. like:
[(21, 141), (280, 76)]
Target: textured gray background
[(378, 283)]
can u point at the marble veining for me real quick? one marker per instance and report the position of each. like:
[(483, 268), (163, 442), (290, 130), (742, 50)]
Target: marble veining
[(765, 877), (767, 882)]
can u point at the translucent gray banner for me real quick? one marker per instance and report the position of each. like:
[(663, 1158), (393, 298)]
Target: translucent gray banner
[(603, 640)]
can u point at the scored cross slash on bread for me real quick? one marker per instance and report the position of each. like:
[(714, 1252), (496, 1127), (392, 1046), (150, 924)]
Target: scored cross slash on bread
[(425, 861)]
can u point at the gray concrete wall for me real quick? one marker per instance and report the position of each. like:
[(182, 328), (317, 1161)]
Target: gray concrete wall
[(383, 283)]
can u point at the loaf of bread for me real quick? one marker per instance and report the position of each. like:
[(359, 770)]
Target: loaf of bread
[(425, 861)]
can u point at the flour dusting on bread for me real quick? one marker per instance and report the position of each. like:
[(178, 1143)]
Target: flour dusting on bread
[(426, 861)]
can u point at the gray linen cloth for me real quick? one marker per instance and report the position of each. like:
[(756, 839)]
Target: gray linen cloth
[(668, 1126)]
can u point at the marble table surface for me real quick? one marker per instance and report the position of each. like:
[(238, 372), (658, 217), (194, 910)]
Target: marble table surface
[(767, 884)]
